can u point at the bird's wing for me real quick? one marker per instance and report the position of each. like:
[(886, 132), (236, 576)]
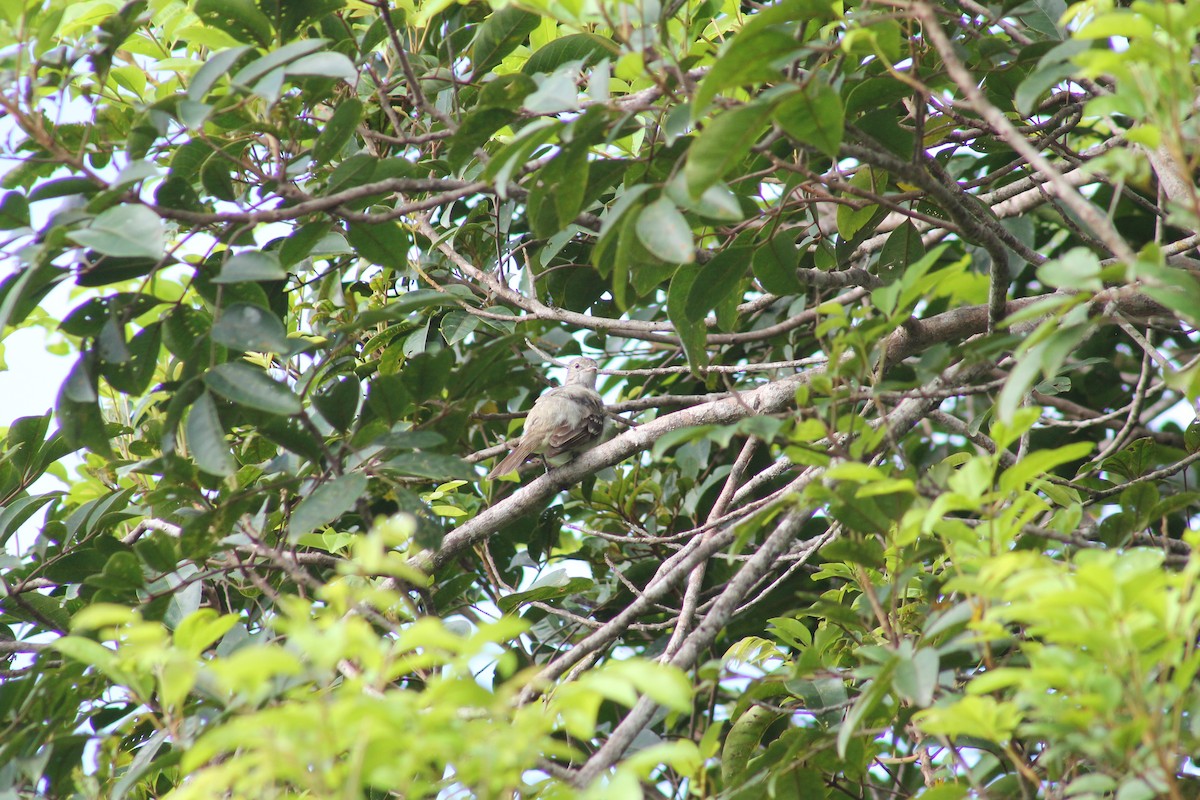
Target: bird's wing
[(567, 437)]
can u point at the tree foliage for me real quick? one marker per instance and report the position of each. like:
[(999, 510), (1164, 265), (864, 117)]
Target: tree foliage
[(896, 307)]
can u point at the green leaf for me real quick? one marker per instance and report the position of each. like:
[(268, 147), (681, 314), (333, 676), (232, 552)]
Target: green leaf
[(338, 130), (981, 717), (133, 375), (1078, 269), (498, 36), (382, 243), (274, 61), (16, 513), (216, 179), (558, 191), (716, 281), (666, 233), (78, 408), (214, 67), (760, 38), (323, 65), (21, 292), (902, 248), (774, 263), (458, 325), (253, 388), (14, 211), (250, 328), (505, 92), (296, 15), (406, 304), (916, 677), (196, 632), (813, 116), (743, 740), (717, 202), (326, 503), (122, 575), (241, 19), (584, 48), (338, 402), (853, 221), (431, 465), (476, 130), (552, 587), (132, 231), (874, 692), (252, 265), (692, 334), (206, 438), (748, 59), (724, 143)]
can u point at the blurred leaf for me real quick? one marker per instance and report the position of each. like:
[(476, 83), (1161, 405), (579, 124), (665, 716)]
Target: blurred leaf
[(251, 265), (206, 438), (326, 503), (250, 328), (129, 231), (241, 19), (251, 387)]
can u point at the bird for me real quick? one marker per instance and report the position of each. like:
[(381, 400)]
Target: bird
[(565, 419)]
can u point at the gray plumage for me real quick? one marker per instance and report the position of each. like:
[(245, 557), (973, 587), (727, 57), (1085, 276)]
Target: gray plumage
[(565, 419)]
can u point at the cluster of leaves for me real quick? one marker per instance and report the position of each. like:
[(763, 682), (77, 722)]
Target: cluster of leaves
[(895, 302)]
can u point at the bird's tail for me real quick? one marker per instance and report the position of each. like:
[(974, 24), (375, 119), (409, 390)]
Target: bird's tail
[(511, 461)]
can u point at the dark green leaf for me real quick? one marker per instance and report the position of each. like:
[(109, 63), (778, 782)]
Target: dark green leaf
[(725, 141), (475, 131), (382, 243), (903, 247), (216, 178), (774, 264), (813, 116), (14, 211), (253, 388), (498, 36), (338, 130), (716, 280), (748, 59), (14, 514), (206, 438), (548, 590), (584, 48), (133, 376), (338, 402), (250, 328), (505, 92), (252, 265), (430, 465), (405, 304), (241, 19), (692, 334)]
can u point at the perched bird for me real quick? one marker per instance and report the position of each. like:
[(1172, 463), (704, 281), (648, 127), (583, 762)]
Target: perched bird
[(565, 419)]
